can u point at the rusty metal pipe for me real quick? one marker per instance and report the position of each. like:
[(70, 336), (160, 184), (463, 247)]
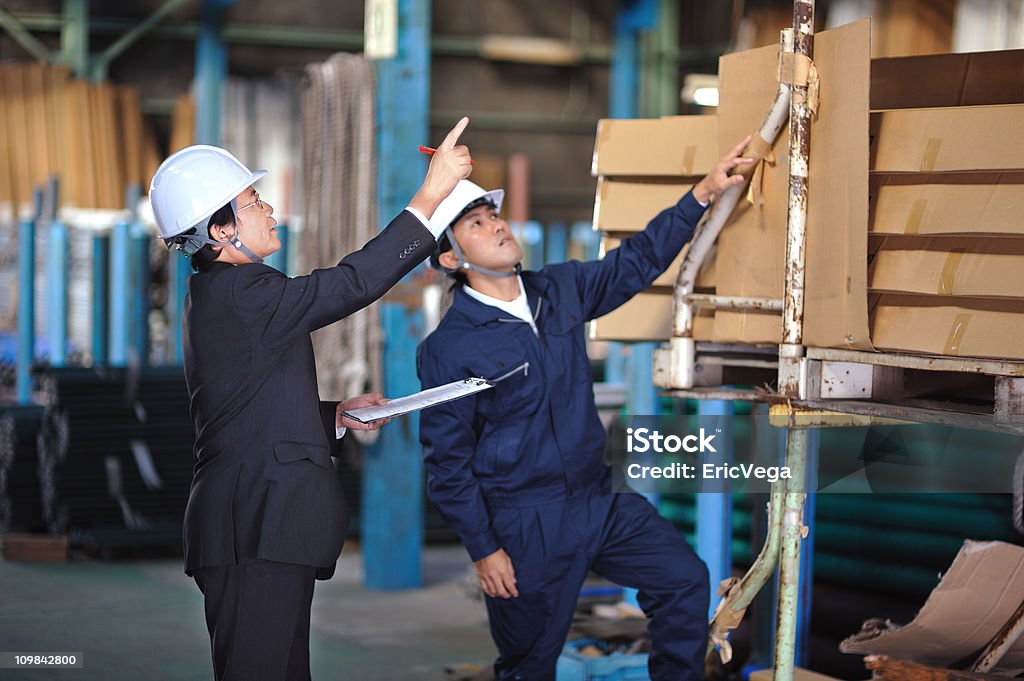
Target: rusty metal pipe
[(682, 348), (791, 352), (734, 302), (1001, 643)]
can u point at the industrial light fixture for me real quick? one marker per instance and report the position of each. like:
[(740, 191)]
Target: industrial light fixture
[(700, 89), (527, 50)]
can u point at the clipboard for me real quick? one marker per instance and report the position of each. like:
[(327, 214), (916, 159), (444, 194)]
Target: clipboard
[(430, 397)]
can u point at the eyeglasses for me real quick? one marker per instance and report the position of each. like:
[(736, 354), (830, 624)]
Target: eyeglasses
[(258, 203)]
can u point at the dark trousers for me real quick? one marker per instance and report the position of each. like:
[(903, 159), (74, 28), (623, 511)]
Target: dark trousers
[(258, 618), (620, 537)]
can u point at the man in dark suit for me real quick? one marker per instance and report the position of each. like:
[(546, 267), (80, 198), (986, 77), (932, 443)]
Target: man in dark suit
[(265, 515)]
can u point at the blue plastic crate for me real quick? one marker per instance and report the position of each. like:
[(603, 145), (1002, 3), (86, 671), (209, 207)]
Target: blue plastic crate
[(615, 667)]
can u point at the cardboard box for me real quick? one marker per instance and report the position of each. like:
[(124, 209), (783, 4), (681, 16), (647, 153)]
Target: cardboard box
[(676, 146), (974, 599), (648, 317), (948, 80), (947, 203), (747, 327), (967, 327), (835, 302), (628, 205), (948, 139), (705, 278), (751, 250), (949, 266)]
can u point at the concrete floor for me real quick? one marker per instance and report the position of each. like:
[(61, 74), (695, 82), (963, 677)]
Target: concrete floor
[(144, 620)]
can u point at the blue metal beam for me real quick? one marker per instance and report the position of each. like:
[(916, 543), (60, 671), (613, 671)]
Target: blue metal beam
[(57, 293), (141, 240), (120, 293), (714, 509), (392, 511), (100, 251), (211, 71), (27, 302)]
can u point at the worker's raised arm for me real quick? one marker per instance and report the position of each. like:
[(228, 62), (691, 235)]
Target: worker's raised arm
[(450, 163)]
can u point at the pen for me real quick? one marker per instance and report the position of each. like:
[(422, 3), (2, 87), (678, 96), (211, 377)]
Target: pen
[(429, 151)]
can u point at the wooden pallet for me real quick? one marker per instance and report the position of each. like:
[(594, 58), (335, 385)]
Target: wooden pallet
[(35, 547)]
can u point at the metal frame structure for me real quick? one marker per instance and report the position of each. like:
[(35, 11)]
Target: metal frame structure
[(820, 387)]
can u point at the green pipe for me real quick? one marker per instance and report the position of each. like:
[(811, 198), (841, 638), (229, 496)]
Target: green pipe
[(925, 518), (495, 120), (102, 61), (867, 573), (338, 39), (789, 559), (74, 36), (20, 35)]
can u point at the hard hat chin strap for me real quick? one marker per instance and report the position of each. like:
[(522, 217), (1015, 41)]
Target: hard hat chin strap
[(234, 241), (466, 265)]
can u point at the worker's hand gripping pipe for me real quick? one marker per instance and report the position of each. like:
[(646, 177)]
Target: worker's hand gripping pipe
[(681, 352)]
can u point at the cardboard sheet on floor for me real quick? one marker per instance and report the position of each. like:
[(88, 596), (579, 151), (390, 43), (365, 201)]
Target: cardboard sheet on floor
[(974, 599)]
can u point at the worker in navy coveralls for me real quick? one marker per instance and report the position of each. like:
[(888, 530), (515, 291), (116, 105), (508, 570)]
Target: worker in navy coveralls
[(265, 514), (518, 469)]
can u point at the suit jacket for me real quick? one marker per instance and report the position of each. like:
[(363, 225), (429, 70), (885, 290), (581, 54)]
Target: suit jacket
[(264, 485)]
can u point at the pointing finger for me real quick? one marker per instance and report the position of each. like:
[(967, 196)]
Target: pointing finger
[(738, 149), (453, 136)]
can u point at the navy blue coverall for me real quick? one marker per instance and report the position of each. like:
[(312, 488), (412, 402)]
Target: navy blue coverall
[(520, 466)]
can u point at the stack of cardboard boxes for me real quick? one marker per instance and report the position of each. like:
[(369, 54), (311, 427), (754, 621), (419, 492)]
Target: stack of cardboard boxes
[(645, 166), (915, 226)]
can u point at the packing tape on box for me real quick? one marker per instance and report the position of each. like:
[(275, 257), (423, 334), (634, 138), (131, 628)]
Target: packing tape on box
[(760, 150), (689, 154), (794, 69), (799, 70), (913, 225), (956, 334), (947, 279), (931, 154)]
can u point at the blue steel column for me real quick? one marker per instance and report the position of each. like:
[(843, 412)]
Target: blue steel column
[(633, 16), (120, 293), (100, 251), (392, 510), (139, 245), (27, 302), (211, 70), (57, 261), (714, 509)]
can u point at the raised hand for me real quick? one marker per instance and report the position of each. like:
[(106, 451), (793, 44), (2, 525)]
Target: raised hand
[(450, 163), (722, 176)]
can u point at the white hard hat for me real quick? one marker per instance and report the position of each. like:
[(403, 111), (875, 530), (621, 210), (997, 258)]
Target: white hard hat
[(193, 184), (465, 193)]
